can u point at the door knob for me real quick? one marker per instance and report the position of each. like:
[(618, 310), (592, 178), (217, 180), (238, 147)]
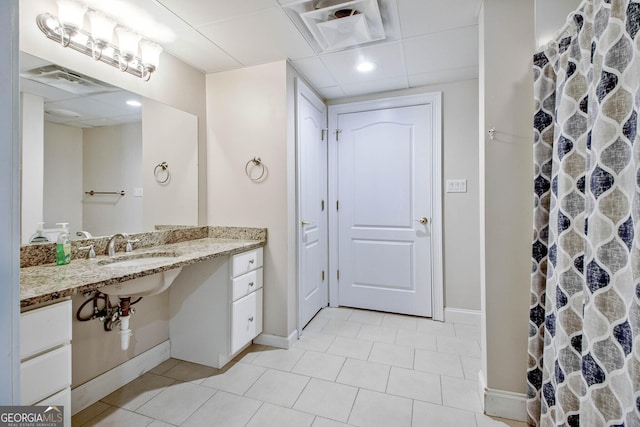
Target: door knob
[(303, 222), (424, 220)]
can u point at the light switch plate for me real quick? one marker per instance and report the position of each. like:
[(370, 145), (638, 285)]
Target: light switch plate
[(137, 192), (456, 186)]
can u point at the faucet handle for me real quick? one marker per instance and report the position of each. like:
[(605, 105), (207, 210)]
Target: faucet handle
[(129, 246), (91, 252)]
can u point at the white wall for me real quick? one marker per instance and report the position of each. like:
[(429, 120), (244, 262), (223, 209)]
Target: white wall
[(32, 174), (112, 159), (460, 154), (247, 118), (506, 170), (551, 16), (62, 176), (169, 135)]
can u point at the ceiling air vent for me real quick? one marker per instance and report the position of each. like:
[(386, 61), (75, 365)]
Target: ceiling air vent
[(338, 25), (69, 81)]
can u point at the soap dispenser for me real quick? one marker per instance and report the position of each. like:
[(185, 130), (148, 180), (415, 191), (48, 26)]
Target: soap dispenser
[(39, 237), (63, 245)]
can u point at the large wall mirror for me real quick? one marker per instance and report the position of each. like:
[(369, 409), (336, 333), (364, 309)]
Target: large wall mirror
[(100, 158)]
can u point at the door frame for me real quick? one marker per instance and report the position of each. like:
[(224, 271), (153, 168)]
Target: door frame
[(302, 90), (435, 100)]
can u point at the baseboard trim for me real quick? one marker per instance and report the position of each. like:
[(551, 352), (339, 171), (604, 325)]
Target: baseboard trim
[(90, 392), (276, 340), (505, 404), (462, 316)]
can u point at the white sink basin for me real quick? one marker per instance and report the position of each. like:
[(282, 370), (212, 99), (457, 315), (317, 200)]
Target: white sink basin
[(142, 286)]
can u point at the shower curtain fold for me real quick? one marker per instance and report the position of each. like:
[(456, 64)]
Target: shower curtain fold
[(584, 353)]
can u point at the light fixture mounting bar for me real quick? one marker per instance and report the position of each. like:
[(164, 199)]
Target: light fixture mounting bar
[(136, 67)]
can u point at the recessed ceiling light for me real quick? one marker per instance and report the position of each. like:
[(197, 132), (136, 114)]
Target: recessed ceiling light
[(134, 103), (365, 67)]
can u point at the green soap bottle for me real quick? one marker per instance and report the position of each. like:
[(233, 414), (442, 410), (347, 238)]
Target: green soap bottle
[(63, 245)]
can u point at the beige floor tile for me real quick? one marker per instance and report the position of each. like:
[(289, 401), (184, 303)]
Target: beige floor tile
[(459, 393), (416, 339), (373, 409), (319, 365), (327, 399), (436, 328), (415, 385), (190, 372), (467, 331), (237, 379), (176, 403), (471, 367), (400, 322), (351, 347), (224, 410), (158, 423), (364, 374), (485, 421), (89, 413), (368, 317), (164, 366), (428, 414), (461, 346), (278, 387), (342, 328), (278, 358), (377, 333), (270, 416), (138, 392), (340, 313), (311, 340), (438, 363), (250, 353), (323, 422), (119, 417), (390, 354), (316, 324)]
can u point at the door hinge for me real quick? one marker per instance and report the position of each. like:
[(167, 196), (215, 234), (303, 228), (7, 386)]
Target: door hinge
[(323, 276), (324, 133), (322, 205), (338, 274), (338, 133)]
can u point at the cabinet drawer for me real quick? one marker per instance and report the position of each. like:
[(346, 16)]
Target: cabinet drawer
[(247, 283), (245, 262), (246, 320), (60, 399), (45, 328), (45, 375)]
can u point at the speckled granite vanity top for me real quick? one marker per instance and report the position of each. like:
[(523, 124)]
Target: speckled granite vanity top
[(41, 280)]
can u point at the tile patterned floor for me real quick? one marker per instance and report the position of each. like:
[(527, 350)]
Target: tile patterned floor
[(350, 367)]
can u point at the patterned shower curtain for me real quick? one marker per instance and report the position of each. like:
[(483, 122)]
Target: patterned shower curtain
[(584, 348)]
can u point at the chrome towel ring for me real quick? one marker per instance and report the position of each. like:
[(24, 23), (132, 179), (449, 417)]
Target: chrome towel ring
[(255, 164), (161, 172)]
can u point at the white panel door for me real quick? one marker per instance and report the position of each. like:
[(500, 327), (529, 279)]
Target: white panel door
[(312, 196), (384, 194)]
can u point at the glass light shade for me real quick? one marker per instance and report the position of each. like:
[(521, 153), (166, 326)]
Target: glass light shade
[(71, 13), (150, 53), (101, 26), (127, 41)]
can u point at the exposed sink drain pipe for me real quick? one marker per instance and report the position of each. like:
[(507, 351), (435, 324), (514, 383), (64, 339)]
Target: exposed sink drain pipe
[(125, 316)]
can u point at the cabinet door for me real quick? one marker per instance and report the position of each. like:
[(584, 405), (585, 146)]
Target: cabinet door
[(45, 375), (63, 399), (45, 328), (245, 284), (246, 320)]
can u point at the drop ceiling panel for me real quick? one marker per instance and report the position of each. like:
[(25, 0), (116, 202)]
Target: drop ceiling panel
[(87, 107), (443, 76), (314, 71), (263, 37), (119, 100), (419, 17), (387, 57), (441, 51), (372, 86), (333, 92), (199, 13), (199, 52), (49, 93)]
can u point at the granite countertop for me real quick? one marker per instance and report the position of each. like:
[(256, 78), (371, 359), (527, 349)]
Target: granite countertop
[(48, 282)]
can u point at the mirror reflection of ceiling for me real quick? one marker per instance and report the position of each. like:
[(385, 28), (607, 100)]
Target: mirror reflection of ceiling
[(76, 100), (426, 41)]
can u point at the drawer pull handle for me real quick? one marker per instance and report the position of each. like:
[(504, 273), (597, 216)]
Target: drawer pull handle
[(250, 283), (251, 319), (251, 261)]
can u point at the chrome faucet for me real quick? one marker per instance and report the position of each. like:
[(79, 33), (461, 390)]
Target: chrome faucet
[(111, 249)]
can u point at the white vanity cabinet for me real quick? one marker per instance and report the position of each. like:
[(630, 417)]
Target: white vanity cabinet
[(215, 308), (45, 357)]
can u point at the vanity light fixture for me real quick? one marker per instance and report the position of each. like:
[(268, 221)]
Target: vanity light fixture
[(133, 54)]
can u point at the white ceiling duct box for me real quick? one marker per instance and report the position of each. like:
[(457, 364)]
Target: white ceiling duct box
[(345, 24)]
